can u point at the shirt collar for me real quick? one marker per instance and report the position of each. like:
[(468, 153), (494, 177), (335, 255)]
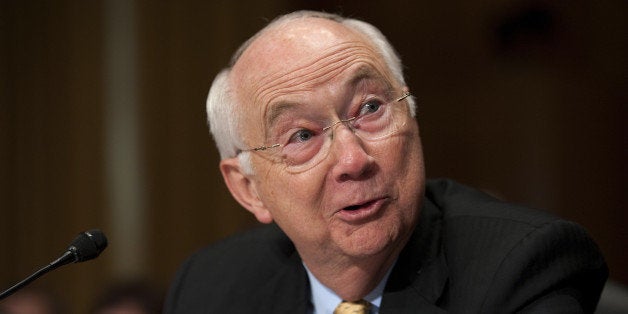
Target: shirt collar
[(324, 300)]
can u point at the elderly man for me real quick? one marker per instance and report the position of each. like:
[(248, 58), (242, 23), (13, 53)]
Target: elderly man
[(316, 131)]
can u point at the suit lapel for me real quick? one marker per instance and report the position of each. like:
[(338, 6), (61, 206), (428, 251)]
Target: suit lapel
[(419, 277), (287, 291)]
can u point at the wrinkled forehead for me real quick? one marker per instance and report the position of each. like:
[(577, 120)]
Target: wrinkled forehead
[(288, 44), (299, 54)]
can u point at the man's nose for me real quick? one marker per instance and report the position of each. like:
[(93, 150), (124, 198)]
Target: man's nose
[(351, 159)]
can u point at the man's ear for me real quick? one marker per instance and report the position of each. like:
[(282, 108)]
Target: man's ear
[(244, 189)]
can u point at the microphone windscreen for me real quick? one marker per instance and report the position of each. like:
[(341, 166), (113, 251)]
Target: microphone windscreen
[(88, 245)]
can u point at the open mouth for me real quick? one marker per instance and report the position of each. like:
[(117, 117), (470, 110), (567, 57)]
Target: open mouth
[(361, 212), (356, 207)]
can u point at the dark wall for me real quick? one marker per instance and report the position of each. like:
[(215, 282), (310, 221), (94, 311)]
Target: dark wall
[(525, 99)]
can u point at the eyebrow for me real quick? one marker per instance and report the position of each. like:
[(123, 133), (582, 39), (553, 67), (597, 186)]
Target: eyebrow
[(280, 108), (365, 73), (362, 74)]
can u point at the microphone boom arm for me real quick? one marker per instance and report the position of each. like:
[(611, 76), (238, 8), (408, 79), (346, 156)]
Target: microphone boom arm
[(66, 258), (86, 246)]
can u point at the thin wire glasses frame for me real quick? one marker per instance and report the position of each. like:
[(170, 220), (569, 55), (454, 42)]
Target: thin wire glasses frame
[(348, 122)]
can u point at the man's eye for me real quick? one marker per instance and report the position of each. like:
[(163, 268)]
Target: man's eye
[(301, 136), (370, 106)]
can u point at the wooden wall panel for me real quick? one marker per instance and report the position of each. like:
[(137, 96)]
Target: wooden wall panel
[(525, 100), (52, 143)]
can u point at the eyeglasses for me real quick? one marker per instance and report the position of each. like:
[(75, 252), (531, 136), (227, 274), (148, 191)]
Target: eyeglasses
[(377, 117)]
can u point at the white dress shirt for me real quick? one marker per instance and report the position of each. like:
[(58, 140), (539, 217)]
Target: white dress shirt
[(324, 300)]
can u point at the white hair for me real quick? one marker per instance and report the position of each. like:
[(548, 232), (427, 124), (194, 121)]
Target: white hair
[(222, 113)]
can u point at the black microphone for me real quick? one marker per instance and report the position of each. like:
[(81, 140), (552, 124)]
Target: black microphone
[(87, 245)]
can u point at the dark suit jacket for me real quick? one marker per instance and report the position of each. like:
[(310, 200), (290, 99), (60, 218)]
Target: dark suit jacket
[(470, 253)]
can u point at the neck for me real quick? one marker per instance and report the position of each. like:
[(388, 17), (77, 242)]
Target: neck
[(352, 278)]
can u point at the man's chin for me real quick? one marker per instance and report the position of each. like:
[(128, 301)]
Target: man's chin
[(367, 243)]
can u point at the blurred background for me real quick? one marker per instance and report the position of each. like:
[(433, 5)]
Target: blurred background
[(102, 121)]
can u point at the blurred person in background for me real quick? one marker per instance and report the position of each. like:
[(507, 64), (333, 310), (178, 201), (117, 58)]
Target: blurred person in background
[(31, 301), (129, 298)]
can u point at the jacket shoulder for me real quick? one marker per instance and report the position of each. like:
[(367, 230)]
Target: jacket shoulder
[(504, 256), (457, 201), (236, 268)]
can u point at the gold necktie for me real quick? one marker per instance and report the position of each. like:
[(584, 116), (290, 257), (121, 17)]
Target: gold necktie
[(357, 307)]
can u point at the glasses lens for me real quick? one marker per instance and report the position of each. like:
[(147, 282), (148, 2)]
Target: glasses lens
[(386, 121), (377, 118), (298, 153)]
